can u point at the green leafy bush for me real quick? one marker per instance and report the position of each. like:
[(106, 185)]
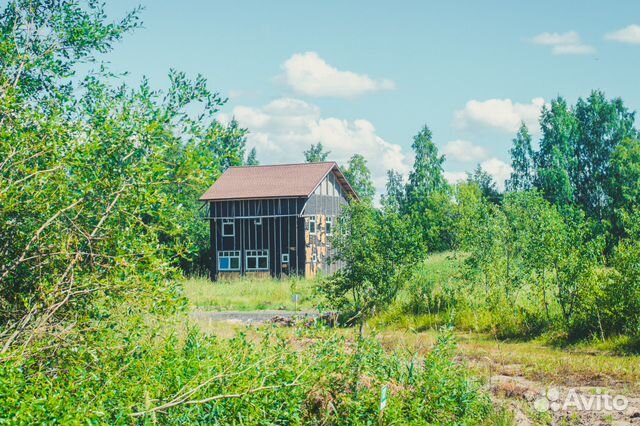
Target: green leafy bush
[(98, 182), (378, 250), (132, 369), (529, 268)]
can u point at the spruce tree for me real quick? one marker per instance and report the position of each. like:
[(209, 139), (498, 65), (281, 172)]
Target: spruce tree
[(522, 176)]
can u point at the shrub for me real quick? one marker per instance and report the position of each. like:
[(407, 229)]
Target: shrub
[(133, 364), (378, 251)]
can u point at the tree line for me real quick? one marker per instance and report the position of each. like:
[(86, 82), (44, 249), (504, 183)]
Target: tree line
[(558, 249)]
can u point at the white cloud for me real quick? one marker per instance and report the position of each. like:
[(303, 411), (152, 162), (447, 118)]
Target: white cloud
[(455, 177), (284, 128), (630, 35), (464, 151), (553, 39), (573, 49), (308, 74), (500, 114), (500, 171), (568, 43)]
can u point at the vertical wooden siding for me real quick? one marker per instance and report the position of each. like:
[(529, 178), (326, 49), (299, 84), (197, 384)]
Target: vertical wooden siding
[(279, 232), (327, 201), (284, 229)]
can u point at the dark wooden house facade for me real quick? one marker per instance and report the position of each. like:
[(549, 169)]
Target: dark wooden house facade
[(275, 220)]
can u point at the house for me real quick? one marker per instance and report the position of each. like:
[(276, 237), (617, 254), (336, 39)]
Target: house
[(275, 220)]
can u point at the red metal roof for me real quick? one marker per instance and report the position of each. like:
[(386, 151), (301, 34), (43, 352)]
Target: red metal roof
[(276, 181)]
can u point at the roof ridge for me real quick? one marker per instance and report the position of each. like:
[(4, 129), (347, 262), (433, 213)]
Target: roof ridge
[(285, 164)]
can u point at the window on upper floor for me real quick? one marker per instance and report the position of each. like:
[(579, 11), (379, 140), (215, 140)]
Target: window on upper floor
[(329, 225), (228, 228), (312, 225)]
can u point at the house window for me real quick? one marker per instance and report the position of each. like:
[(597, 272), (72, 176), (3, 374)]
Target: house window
[(312, 225), (329, 225), (285, 258), (228, 228), (228, 260), (257, 260)]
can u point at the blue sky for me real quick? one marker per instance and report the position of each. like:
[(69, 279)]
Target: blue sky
[(365, 76)]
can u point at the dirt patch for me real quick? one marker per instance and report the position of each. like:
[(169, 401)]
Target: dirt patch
[(534, 402), (512, 390)]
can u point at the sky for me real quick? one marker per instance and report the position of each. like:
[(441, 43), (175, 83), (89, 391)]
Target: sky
[(365, 76)]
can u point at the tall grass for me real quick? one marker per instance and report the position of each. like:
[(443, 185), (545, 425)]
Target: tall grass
[(249, 294), (136, 373), (442, 293)]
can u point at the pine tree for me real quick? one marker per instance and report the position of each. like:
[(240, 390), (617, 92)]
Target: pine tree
[(522, 176), (252, 159), (393, 200), (428, 199), (427, 175), (316, 154), (485, 182)]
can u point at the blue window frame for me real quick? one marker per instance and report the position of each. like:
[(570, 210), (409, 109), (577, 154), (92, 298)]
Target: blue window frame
[(229, 260)]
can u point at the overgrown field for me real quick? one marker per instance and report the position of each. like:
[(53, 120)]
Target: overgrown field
[(440, 293), (514, 371), (444, 292), (250, 294), (137, 370)]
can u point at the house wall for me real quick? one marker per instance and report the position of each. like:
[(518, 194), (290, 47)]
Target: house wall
[(324, 204), (273, 225)]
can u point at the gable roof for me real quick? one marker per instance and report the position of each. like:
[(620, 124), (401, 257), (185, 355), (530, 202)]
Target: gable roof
[(276, 181)]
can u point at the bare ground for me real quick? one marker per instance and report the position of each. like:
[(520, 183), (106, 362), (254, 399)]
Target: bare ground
[(569, 396), (539, 403)]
